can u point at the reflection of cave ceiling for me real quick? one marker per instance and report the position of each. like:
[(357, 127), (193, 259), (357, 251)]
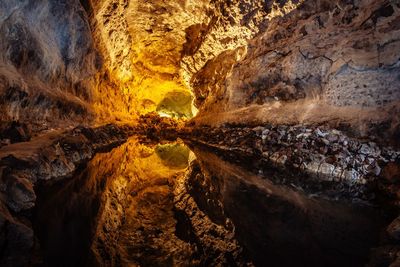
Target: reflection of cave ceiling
[(175, 156)]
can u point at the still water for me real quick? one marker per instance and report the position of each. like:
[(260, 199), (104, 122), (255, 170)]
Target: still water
[(146, 204)]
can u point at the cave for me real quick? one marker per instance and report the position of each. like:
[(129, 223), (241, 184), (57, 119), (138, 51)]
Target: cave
[(200, 133)]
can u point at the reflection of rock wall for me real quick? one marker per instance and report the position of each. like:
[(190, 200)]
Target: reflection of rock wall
[(136, 223), (23, 167), (130, 206), (148, 217), (280, 224)]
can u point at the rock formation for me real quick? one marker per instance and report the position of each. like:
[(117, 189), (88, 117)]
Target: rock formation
[(305, 86)]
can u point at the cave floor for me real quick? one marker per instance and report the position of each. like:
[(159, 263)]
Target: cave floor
[(168, 203)]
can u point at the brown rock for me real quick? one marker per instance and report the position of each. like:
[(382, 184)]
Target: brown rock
[(391, 172), (21, 195), (394, 229)]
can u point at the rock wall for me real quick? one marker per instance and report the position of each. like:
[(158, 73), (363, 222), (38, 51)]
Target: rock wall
[(79, 61), (319, 61), (345, 54), (152, 48), (141, 43), (46, 57)]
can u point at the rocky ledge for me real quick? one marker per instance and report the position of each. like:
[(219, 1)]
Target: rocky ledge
[(50, 157), (323, 153)]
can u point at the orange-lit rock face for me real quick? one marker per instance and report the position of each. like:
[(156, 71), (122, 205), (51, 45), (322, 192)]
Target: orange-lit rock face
[(85, 61), (153, 48), (142, 44)]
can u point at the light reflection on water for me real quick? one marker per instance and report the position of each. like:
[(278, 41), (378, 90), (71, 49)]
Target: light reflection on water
[(145, 204)]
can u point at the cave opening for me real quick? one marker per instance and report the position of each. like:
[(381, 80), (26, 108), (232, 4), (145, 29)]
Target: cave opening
[(199, 133)]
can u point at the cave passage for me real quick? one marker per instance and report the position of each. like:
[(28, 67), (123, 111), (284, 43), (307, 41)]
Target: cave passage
[(200, 133), (149, 204)]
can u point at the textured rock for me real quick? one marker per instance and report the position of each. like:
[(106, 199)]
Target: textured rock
[(323, 61), (46, 54), (322, 50), (343, 159), (15, 132), (76, 62)]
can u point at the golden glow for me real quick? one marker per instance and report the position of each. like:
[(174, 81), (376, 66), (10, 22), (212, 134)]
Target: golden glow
[(152, 92), (135, 189), (142, 43), (141, 163), (142, 55), (164, 115)]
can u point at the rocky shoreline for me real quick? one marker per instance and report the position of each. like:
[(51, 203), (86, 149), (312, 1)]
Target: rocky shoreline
[(322, 154)]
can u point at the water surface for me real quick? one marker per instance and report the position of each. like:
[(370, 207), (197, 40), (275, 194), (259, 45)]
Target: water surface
[(146, 204)]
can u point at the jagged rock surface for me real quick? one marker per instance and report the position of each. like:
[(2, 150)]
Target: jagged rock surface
[(46, 55), (65, 63), (324, 61), (327, 154), (122, 58)]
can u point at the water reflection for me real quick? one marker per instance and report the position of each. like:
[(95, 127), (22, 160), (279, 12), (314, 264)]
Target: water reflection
[(156, 205), (174, 155)]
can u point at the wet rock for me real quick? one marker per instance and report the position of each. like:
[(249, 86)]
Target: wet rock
[(337, 173), (312, 167), (351, 176), (308, 148), (319, 133)]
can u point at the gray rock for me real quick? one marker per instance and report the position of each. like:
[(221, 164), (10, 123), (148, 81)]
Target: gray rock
[(319, 133), (351, 176), (326, 171)]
